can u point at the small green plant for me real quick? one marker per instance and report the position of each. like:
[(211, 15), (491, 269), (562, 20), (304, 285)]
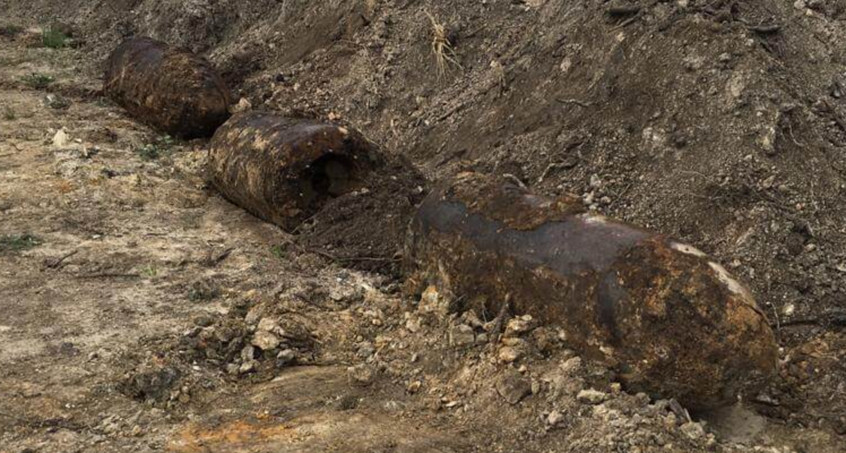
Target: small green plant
[(38, 81), (10, 31), (278, 251), (54, 39), (9, 114), (18, 242), (150, 271), (161, 146)]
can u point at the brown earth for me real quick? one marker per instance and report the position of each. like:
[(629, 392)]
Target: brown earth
[(127, 322)]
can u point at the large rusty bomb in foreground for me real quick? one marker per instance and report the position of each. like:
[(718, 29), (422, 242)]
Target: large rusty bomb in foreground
[(671, 322), (284, 170), (172, 90)]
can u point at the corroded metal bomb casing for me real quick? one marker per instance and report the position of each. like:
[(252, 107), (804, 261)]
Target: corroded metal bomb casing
[(284, 170), (670, 321), (172, 90)]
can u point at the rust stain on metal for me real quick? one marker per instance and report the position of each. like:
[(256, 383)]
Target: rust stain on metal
[(668, 319), (172, 90), (283, 169)]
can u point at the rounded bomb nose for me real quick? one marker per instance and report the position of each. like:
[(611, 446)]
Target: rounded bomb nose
[(668, 319)]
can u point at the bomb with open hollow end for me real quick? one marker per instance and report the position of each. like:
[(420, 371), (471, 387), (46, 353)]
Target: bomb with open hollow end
[(668, 319), (283, 169), (172, 90)]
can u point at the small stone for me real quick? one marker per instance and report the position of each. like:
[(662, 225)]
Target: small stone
[(693, 430), (554, 418), (248, 353), (519, 326), (513, 387), (508, 354), (361, 375), (591, 396), (462, 335), (60, 140), (203, 321), (285, 357), (247, 367), (265, 340), (267, 325), (232, 368), (242, 106), (412, 325), (413, 387)]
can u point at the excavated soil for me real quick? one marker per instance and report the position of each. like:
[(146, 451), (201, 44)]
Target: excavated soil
[(142, 312)]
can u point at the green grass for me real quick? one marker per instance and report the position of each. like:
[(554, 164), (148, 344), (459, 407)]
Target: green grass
[(54, 39), (278, 251), (18, 242), (161, 146), (38, 80), (150, 271)]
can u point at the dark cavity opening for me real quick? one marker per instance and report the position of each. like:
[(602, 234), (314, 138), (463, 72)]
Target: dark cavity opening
[(329, 177)]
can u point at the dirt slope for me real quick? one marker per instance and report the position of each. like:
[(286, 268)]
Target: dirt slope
[(722, 123)]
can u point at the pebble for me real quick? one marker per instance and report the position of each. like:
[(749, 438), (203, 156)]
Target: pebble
[(285, 357), (693, 430), (248, 353), (513, 387), (462, 335), (361, 375), (267, 325), (591, 396), (519, 326), (60, 140), (554, 418), (508, 354), (265, 340)]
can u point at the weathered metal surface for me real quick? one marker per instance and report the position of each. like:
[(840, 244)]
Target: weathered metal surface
[(668, 319), (284, 170), (172, 90)]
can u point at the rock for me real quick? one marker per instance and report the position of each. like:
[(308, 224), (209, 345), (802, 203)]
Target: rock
[(247, 366), (361, 375), (554, 418), (248, 353), (413, 386), (267, 325), (519, 326), (693, 430), (242, 106), (513, 387), (265, 340), (508, 354), (462, 335), (285, 357), (591, 396), (60, 140), (432, 302)]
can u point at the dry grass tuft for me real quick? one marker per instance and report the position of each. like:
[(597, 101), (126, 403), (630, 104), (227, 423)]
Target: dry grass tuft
[(442, 47)]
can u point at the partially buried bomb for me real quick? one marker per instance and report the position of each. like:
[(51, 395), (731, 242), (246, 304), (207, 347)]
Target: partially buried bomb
[(284, 170), (170, 89), (667, 318)]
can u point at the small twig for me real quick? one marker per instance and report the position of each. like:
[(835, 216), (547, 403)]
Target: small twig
[(107, 275), (575, 101), (55, 263), (765, 29), (624, 10), (499, 321)]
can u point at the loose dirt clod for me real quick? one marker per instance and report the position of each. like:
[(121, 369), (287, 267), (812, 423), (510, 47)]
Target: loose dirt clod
[(284, 170), (667, 318), (172, 90)]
